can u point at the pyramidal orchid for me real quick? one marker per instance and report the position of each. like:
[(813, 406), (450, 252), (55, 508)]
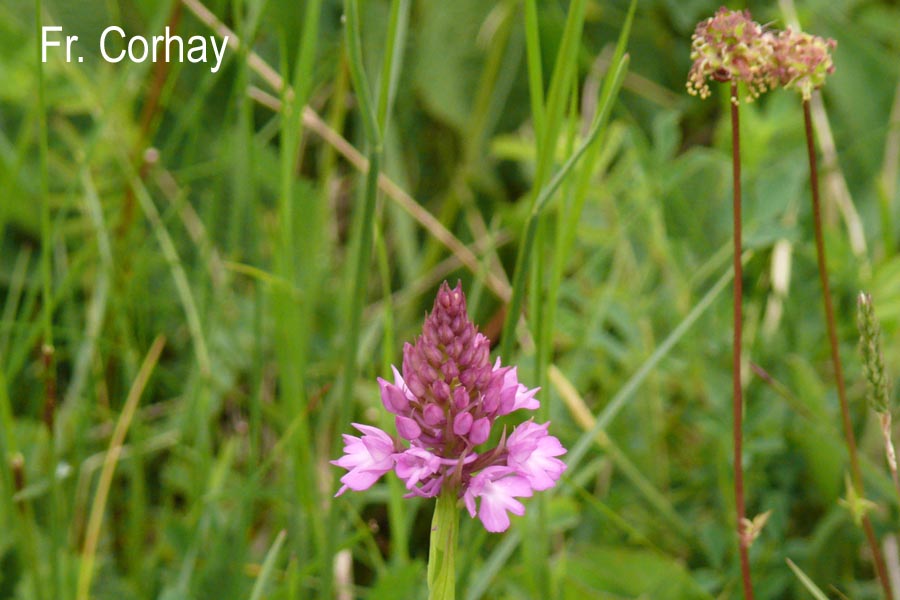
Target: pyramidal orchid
[(445, 404)]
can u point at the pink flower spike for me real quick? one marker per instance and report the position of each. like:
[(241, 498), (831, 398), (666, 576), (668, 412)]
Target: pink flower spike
[(497, 487), (445, 401), (415, 464), (531, 454), (366, 458)]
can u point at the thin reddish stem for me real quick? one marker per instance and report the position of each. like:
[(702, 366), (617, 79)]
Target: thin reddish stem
[(737, 389), (855, 471)]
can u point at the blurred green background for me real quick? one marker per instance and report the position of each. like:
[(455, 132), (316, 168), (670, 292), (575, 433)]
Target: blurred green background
[(182, 222)]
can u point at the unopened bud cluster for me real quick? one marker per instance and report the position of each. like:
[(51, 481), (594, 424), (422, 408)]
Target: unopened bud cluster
[(731, 47)]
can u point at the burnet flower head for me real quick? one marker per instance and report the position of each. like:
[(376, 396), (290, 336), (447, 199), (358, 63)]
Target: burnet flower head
[(800, 60), (730, 47), (445, 404)]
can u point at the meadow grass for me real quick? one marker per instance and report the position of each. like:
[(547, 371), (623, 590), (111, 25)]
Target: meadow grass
[(203, 274)]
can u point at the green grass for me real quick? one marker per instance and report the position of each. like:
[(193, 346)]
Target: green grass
[(580, 195)]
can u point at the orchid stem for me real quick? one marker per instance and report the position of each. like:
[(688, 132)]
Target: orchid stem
[(442, 552)]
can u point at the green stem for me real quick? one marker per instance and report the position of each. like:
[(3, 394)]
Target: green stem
[(19, 513), (396, 503), (442, 549), (374, 117), (47, 349), (535, 69), (855, 471)]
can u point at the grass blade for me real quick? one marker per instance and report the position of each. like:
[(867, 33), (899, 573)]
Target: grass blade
[(543, 198), (95, 521), (577, 452), (811, 587), (268, 567)]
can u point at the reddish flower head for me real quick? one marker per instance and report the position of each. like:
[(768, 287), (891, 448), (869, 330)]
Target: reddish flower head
[(728, 47), (801, 61)]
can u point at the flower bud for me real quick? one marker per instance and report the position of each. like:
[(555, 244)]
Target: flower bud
[(460, 398), (407, 428), (480, 432), (462, 424), (394, 400), (433, 415)]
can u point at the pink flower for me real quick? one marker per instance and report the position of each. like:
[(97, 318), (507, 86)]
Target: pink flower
[(515, 395), (497, 487), (531, 454), (416, 464), (366, 458)]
